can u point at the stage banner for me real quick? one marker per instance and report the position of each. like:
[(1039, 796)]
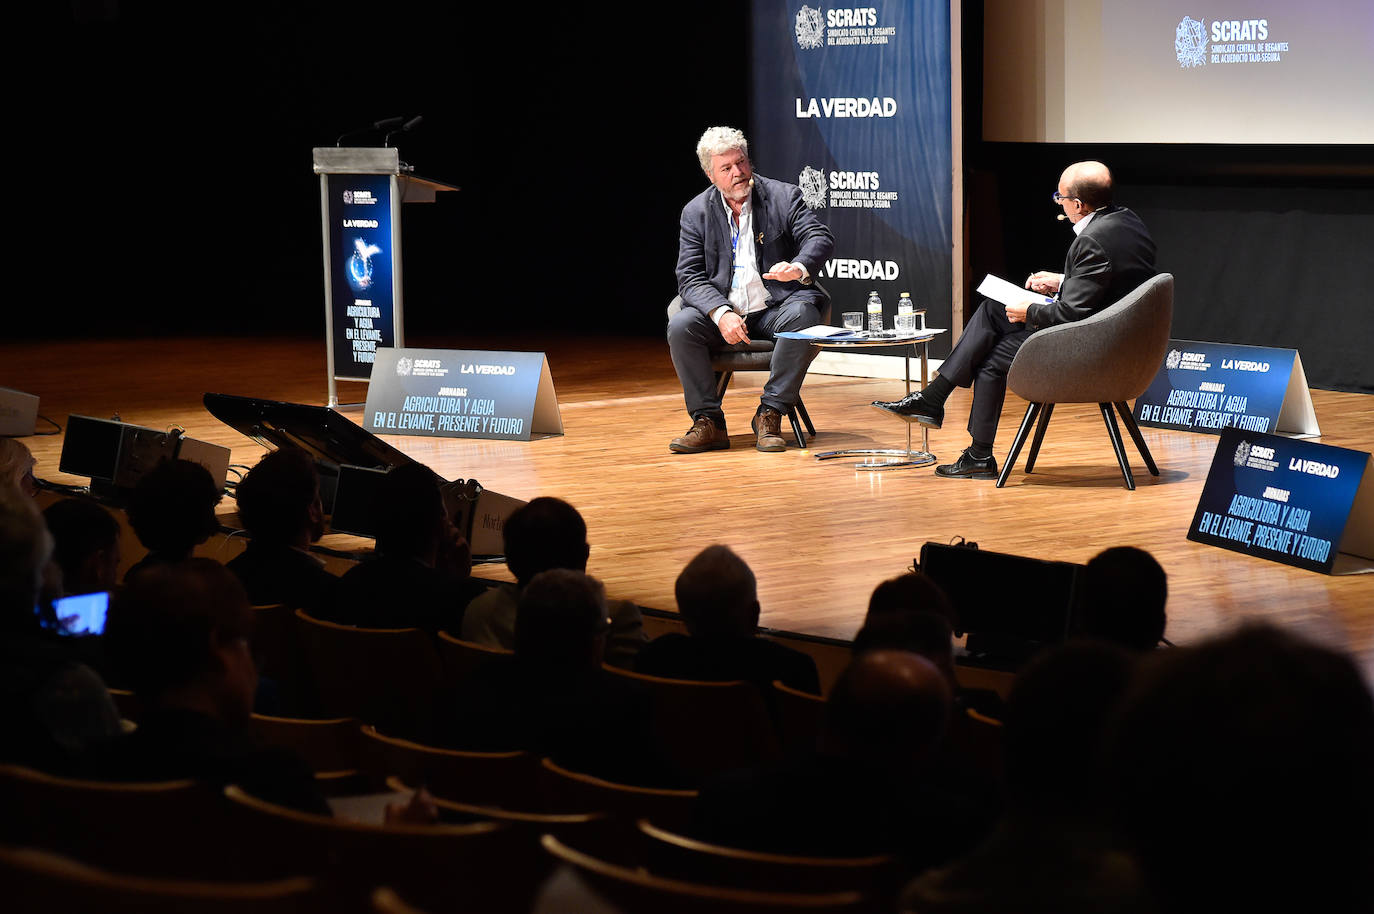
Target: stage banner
[(363, 277), (1296, 502), (462, 393), (1208, 387), (853, 105)]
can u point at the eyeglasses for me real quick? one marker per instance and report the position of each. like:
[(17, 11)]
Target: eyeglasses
[(1060, 198)]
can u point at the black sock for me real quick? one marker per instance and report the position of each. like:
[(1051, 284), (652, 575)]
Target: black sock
[(937, 391), (980, 450)]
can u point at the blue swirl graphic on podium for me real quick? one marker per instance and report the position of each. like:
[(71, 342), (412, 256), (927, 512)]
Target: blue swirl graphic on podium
[(360, 265)]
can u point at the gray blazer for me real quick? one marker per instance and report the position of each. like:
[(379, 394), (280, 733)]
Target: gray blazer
[(785, 229)]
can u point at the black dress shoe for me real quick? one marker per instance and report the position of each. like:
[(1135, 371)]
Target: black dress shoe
[(969, 467), (914, 408)]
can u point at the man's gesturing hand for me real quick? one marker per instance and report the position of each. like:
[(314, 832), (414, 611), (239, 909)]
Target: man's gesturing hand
[(784, 272)]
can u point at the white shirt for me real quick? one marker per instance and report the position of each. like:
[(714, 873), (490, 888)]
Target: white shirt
[(747, 293), (1081, 224)]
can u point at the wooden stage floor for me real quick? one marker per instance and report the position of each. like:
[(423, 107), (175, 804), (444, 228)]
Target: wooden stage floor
[(819, 535)]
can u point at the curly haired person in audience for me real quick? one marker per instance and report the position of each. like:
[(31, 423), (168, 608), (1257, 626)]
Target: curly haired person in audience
[(172, 510), (279, 505)]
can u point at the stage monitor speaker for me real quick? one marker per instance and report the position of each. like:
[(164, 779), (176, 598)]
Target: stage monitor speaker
[(1010, 606), (353, 508), (213, 457), (18, 413), (113, 452)]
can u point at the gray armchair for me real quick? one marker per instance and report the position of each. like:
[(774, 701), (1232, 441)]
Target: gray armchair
[(1107, 359), (756, 355)]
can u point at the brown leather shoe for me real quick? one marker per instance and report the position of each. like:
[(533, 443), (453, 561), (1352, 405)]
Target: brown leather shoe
[(768, 426), (702, 436)]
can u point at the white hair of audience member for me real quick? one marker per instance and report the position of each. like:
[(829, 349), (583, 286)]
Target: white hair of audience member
[(25, 547), (16, 466), (718, 141)]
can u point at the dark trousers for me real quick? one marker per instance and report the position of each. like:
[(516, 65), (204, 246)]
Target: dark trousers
[(981, 359), (692, 336)]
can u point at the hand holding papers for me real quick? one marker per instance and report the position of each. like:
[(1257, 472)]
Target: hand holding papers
[(1015, 298)]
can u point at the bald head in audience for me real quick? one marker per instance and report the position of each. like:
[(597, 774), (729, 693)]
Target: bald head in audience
[(889, 707)]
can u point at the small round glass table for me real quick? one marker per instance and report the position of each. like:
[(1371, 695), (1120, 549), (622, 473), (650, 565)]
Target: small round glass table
[(917, 344)]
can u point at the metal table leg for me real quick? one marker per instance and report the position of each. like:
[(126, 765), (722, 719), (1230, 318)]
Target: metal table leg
[(896, 459)]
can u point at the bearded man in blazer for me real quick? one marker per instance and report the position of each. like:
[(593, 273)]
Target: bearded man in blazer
[(1111, 255), (748, 250)]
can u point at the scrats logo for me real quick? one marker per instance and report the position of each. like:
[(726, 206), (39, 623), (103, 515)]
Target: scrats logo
[(810, 25), (1190, 43), (813, 187), (810, 32)]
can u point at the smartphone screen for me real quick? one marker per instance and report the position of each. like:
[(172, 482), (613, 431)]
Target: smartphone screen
[(83, 614)]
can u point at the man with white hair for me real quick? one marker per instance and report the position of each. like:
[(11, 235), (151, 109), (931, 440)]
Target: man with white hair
[(1112, 253), (747, 256)]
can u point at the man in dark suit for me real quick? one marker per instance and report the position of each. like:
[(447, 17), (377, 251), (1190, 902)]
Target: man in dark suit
[(747, 254), (1112, 254)]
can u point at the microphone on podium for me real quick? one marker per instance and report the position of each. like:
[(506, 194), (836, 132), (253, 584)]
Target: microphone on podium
[(403, 128), (383, 124)]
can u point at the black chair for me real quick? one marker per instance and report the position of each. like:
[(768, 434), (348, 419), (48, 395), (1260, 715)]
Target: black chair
[(756, 355)]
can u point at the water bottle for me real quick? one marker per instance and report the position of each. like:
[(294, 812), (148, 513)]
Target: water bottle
[(906, 314), (875, 312)]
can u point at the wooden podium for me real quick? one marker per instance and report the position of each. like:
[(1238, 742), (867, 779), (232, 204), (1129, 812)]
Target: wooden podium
[(361, 192)]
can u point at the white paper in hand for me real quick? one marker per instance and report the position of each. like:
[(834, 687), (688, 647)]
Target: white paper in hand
[(999, 290)]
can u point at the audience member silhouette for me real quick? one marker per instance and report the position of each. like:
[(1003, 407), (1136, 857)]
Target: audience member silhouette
[(178, 635), (55, 706), (279, 506), (913, 612), (973, 747), (172, 510), (547, 533), (419, 577), (910, 592), (1241, 770), (16, 467), (554, 698), (717, 597), (1122, 593), (86, 545), (869, 788), (1052, 851), (925, 633)]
